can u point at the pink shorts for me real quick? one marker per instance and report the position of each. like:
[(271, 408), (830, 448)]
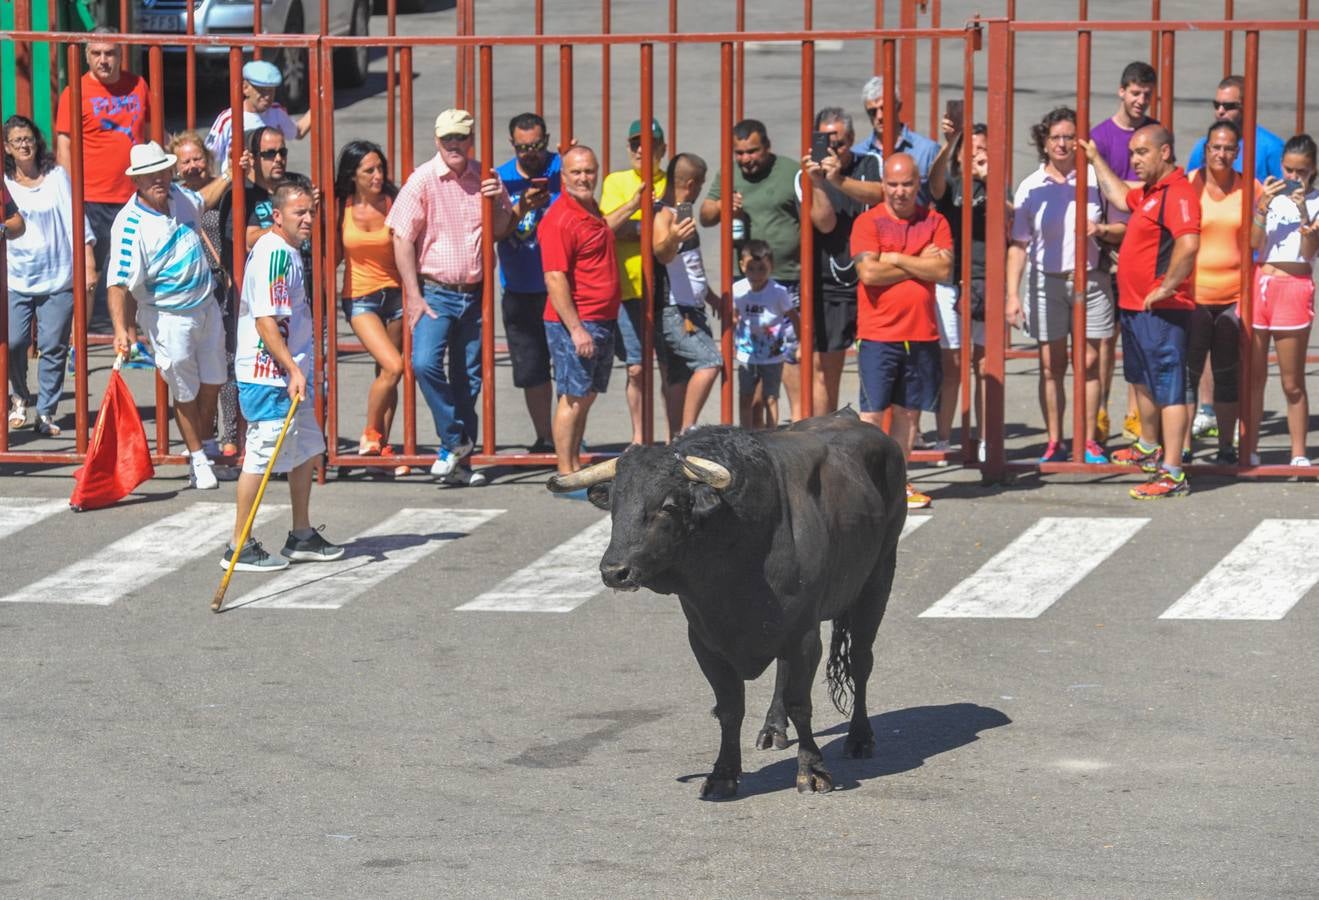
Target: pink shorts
[(1283, 302)]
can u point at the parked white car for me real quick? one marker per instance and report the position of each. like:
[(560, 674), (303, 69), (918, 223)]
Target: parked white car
[(226, 17)]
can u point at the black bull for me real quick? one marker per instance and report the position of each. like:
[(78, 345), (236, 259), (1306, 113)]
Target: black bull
[(764, 535)]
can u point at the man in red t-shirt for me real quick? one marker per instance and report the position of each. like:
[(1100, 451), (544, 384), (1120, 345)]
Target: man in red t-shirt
[(1158, 258), (581, 316), (902, 250), (115, 115)]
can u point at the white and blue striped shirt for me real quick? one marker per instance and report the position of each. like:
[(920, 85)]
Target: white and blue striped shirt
[(159, 257)]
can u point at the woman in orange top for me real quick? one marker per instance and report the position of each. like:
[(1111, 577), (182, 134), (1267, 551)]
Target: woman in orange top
[(371, 296), (1215, 332)]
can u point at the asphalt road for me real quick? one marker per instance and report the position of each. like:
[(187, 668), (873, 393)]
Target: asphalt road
[(349, 731)]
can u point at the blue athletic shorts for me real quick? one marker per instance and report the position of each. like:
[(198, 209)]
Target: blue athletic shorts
[(574, 375), (1154, 352), (899, 373)]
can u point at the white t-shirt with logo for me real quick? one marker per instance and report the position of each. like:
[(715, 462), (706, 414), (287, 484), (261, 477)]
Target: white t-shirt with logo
[(273, 286), (159, 257), (763, 329), (1282, 228)]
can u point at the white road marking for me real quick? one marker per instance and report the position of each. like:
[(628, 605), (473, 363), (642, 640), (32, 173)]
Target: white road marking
[(1029, 575), (912, 523), (17, 513), (825, 46), (1261, 579), (131, 563), (402, 540), (560, 581)]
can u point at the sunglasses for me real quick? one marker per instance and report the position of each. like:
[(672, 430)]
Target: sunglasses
[(872, 111), (281, 153), (1231, 107), (533, 147)]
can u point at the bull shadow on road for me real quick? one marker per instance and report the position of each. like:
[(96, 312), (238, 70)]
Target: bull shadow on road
[(904, 740)]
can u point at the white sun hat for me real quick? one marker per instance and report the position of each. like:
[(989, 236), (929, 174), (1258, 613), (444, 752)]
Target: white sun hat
[(146, 158)]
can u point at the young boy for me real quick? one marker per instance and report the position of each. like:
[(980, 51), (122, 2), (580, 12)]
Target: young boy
[(273, 363), (762, 309)]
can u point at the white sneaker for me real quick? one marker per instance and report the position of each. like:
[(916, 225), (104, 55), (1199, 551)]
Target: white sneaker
[(203, 477), (1300, 461), (445, 462), (1204, 421), (982, 451), (461, 477)]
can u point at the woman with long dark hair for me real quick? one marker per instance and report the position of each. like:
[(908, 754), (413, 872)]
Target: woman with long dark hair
[(371, 295), (40, 271), (1285, 234)]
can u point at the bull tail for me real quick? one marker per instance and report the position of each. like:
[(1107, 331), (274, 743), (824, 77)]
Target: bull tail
[(838, 671)]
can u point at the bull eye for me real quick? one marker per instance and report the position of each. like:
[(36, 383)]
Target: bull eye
[(669, 506)]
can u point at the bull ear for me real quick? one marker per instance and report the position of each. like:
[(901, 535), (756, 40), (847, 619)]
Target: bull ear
[(600, 495), (705, 501)]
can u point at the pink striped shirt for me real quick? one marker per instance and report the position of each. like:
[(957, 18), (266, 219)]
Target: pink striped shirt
[(440, 212)]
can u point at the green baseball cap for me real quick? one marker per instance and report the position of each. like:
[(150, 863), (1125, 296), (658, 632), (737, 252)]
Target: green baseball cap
[(634, 130)]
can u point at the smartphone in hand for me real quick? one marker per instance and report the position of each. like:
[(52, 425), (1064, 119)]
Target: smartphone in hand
[(682, 212), (1291, 186), (541, 183), (820, 146), (955, 110)]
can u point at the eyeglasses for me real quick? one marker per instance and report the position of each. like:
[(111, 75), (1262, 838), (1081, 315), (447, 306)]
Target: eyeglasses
[(1061, 138), (1230, 107), (281, 153), (533, 147), (454, 138), (22, 142)]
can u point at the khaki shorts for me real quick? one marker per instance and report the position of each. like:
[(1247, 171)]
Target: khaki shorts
[(188, 346), (303, 441), (1049, 300)]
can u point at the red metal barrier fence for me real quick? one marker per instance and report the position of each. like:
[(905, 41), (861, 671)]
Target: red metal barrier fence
[(895, 53)]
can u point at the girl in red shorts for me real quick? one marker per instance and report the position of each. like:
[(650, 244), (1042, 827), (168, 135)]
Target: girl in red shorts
[(1285, 233)]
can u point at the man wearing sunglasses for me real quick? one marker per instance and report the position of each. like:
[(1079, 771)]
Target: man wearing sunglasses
[(266, 160), (1228, 104)]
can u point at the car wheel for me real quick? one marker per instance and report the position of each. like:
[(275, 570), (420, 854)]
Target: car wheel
[(350, 62)]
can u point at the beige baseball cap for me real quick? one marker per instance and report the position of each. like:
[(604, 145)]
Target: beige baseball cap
[(453, 121)]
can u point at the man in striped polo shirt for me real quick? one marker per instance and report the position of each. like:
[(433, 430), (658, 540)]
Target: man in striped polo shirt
[(160, 279)]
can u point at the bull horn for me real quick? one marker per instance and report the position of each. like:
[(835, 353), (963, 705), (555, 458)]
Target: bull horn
[(706, 472), (583, 478)]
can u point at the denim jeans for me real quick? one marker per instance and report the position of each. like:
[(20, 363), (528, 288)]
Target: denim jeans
[(54, 316), (446, 358)]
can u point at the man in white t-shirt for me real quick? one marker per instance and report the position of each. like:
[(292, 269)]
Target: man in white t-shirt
[(260, 81), (273, 364), (160, 279)]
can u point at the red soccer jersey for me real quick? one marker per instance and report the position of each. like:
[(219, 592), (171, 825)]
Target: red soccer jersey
[(114, 118), (1147, 247), (903, 311), (581, 246)]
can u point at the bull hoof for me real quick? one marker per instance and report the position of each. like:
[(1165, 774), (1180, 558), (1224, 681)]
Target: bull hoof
[(859, 748), (815, 780), (718, 788), (771, 737)]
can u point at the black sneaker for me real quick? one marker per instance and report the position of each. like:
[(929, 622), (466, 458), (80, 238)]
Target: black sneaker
[(312, 549), (1225, 457), (253, 558)]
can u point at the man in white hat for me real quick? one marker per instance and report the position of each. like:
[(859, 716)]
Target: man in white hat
[(436, 220), (260, 81), (159, 278)]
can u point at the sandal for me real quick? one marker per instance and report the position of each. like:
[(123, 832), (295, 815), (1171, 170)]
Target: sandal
[(17, 412)]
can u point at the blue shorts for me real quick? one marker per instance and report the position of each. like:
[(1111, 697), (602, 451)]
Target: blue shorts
[(1154, 352), (899, 373), (628, 348), (684, 343), (574, 375), (386, 303), (768, 375)]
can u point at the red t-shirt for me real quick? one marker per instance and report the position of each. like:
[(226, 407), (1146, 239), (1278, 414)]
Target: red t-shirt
[(114, 118), (905, 310), (580, 245), (1147, 247)]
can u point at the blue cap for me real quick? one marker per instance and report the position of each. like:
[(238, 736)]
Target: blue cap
[(262, 74)]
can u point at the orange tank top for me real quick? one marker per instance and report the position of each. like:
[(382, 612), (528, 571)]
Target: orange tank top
[(1217, 280), (368, 259)]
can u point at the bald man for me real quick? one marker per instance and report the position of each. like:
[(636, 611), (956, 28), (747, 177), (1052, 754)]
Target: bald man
[(902, 251), (581, 318), (1154, 301)]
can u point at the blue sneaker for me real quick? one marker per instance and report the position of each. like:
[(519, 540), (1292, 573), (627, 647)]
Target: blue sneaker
[(1056, 451), (1094, 454)]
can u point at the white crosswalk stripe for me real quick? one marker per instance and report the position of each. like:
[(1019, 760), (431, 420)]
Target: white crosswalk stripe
[(17, 513), (560, 581), (1262, 577), (1029, 575), (912, 523), (140, 558), (402, 540)]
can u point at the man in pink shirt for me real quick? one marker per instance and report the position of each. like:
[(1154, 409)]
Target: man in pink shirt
[(436, 220)]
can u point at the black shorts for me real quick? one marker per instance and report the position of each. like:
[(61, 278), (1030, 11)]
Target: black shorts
[(835, 321), (524, 329)]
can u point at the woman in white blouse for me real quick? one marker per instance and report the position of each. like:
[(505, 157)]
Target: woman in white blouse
[(40, 272)]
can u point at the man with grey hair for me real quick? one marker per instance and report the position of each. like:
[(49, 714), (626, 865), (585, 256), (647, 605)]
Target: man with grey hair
[(917, 146), (849, 184)]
